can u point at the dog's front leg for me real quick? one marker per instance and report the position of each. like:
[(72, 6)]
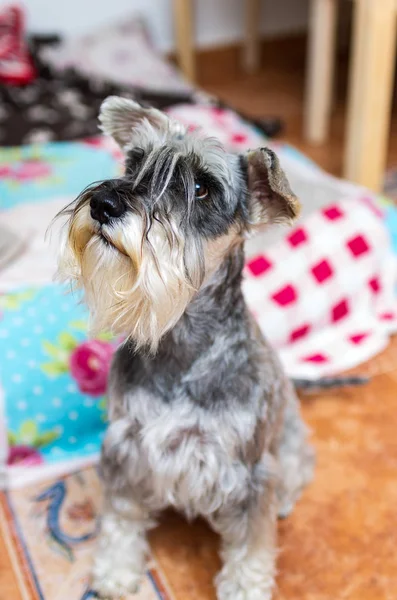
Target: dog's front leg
[(248, 534), (122, 551)]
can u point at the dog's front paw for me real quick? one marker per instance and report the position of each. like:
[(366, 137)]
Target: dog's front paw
[(244, 582), (120, 559), (115, 583), (115, 575)]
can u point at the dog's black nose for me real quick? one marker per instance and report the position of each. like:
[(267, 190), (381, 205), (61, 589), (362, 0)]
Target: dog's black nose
[(106, 205)]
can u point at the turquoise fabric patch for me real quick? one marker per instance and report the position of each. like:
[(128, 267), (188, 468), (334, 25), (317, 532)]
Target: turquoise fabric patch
[(391, 222), (43, 172), (54, 379)]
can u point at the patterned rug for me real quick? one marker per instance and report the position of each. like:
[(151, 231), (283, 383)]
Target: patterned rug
[(50, 530)]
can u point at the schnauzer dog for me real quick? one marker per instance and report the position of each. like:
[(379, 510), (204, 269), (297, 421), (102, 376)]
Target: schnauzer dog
[(202, 417)]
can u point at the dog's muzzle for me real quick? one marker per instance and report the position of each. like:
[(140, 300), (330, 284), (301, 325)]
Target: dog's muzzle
[(106, 205)]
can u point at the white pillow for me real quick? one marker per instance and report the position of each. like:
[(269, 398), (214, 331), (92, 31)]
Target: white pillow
[(121, 53)]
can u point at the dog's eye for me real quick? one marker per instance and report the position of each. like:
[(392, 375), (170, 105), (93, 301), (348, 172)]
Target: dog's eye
[(201, 191)]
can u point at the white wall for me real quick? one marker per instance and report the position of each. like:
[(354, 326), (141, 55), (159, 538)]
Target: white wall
[(217, 21)]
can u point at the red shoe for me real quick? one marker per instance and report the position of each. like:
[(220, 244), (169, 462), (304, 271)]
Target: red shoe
[(16, 66)]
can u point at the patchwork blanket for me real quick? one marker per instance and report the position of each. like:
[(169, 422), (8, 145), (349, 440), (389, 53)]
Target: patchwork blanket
[(322, 292)]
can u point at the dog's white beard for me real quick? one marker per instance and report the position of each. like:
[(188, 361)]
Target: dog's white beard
[(140, 289)]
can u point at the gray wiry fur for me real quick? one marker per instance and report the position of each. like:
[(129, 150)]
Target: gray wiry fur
[(202, 417)]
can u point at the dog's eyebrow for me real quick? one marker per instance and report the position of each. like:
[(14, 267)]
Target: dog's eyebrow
[(136, 153), (134, 157)]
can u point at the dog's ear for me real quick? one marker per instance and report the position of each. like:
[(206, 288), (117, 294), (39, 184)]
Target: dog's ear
[(121, 118), (271, 199)]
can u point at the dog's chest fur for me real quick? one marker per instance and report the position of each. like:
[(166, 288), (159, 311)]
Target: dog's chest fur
[(180, 456), (192, 425)]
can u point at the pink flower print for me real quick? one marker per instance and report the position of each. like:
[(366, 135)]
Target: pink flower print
[(89, 366), (96, 141), (32, 169), (5, 171), (28, 170), (24, 455)]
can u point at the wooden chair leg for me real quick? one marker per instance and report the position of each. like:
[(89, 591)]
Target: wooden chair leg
[(184, 30), (320, 70), (371, 91), (251, 55)]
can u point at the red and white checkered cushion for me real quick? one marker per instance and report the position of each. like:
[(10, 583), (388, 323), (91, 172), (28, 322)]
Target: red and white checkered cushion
[(324, 295)]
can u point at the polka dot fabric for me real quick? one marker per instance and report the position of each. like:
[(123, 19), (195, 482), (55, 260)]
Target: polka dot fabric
[(49, 414), (325, 294)]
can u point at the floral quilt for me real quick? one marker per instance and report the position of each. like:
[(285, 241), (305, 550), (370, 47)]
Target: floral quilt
[(54, 377)]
